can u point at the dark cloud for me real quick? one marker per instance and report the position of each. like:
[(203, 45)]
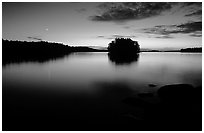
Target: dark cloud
[(120, 12), (191, 27), (194, 9), (130, 10), (35, 38), (196, 13), (192, 3)]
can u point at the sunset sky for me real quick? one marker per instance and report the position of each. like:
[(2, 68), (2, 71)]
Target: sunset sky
[(154, 25)]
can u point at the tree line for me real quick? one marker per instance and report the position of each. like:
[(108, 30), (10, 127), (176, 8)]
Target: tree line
[(120, 50), (18, 51), (199, 49)]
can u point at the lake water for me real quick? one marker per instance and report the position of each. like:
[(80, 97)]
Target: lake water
[(88, 88)]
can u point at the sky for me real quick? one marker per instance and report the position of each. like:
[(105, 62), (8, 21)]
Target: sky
[(155, 25)]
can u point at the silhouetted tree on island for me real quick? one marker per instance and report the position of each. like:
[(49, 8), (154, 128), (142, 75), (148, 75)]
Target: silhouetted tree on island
[(124, 46), (123, 51)]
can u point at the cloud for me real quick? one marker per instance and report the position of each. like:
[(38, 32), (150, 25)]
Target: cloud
[(116, 36), (164, 37), (123, 36), (191, 27), (192, 3), (194, 9), (186, 28), (101, 36), (196, 34), (35, 38), (123, 11), (81, 10), (130, 10), (196, 13), (126, 27)]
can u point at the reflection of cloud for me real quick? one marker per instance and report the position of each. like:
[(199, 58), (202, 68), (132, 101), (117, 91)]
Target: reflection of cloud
[(191, 27), (130, 10), (35, 38)]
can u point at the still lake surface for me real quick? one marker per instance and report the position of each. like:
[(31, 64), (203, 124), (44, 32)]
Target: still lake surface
[(89, 87)]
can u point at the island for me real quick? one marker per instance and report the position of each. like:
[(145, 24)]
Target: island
[(123, 46), (123, 51)]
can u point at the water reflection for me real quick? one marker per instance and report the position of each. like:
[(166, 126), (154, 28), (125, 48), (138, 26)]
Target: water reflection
[(12, 59), (86, 92), (121, 59)]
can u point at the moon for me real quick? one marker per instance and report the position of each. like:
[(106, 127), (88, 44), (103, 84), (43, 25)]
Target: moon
[(46, 29)]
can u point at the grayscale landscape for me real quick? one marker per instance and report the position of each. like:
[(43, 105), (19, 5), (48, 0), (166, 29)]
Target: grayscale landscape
[(102, 66)]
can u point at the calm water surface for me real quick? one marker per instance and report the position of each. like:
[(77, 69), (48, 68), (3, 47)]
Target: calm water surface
[(89, 87), (82, 71)]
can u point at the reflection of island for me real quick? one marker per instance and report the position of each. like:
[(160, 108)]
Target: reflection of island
[(120, 59), (123, 51)]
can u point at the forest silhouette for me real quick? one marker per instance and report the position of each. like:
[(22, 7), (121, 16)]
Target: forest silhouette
[(192, 50), (40, 51)]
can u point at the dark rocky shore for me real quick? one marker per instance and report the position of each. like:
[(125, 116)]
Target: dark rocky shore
[(179, 108)]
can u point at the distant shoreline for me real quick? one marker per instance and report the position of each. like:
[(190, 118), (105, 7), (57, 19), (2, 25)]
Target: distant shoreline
[(21, 51), (159, 51), (143, 51)]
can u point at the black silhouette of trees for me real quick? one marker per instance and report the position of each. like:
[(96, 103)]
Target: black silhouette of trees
[(123, 51), (124, 46), (23, 51), (199, 49), (40, 51)]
